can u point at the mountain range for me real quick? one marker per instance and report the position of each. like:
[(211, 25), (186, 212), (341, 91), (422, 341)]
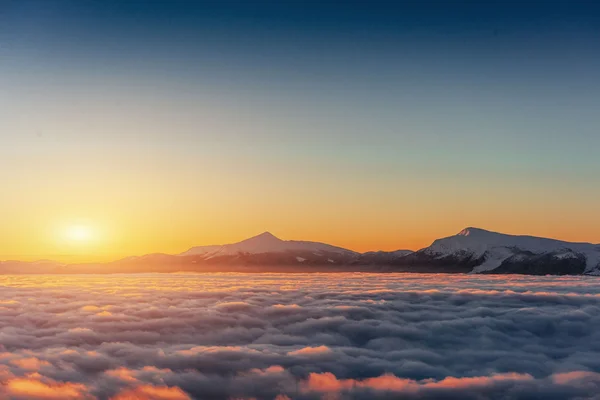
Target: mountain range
[(472, 250)]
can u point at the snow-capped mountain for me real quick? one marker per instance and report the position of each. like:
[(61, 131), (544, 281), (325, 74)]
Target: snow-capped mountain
[(472, 250), (495, 252), (266, 243)]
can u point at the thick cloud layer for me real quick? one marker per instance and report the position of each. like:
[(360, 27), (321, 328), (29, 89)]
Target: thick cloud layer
[(304, 336)]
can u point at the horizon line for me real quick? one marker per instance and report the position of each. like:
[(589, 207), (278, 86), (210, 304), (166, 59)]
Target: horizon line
[(48, 258)]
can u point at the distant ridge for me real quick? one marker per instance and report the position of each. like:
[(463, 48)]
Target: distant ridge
[(491, 251), (472, 250), (266, 242)]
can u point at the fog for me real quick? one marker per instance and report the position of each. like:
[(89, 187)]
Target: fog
[(299, 336)]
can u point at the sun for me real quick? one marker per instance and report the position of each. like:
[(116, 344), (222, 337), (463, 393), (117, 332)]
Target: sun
[(79, 233)]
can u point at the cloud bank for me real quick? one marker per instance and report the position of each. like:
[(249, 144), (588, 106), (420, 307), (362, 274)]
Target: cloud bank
[(302, 336)]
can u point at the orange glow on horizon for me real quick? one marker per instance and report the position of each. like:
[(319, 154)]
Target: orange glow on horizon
[(74, 243)]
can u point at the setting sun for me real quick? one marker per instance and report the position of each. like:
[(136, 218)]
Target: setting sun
[(79, 233)]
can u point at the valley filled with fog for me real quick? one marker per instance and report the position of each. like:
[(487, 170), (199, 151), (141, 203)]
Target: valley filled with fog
[(299, 336)]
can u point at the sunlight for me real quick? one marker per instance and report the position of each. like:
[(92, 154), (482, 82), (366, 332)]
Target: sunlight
[(79, 233)]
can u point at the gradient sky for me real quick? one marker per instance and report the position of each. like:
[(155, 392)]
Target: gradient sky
[(368, 125)]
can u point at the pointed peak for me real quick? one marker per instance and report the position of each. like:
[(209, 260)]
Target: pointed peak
[(265, 236)]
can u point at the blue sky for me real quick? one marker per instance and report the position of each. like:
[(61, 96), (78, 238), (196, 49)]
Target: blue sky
[(412, 119)]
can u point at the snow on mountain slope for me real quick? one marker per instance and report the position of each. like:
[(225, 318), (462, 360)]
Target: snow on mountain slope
[(265, 243), (495, 248)]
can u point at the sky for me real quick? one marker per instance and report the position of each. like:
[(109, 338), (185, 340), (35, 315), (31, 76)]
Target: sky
[(130, 127)]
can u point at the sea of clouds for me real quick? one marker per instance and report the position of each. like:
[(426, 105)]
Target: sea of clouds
[(299, 336)]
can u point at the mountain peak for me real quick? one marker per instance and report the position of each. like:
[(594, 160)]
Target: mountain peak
[(470, 231), (263, 241), (265, 236)]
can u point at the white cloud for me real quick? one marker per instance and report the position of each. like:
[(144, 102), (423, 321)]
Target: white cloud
[(220, 336)]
